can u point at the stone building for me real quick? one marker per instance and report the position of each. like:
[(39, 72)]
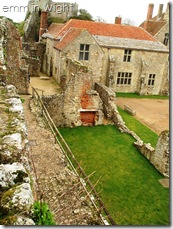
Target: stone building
[(61, 10), (158, 26), (123, 57)]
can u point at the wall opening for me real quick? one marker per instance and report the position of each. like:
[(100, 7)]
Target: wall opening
[(88, 118)]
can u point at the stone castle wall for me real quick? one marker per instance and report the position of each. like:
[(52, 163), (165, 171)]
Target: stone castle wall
[(33, 55), (12, 69), (16, 182), (62, 10)]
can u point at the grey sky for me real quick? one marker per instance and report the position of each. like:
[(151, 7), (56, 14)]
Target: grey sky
[(135, 10)]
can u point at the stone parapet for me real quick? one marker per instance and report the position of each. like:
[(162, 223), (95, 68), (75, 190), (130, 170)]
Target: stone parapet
[(15, 173)]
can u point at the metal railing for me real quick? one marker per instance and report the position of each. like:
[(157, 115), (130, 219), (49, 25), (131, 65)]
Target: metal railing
[(84, 179)]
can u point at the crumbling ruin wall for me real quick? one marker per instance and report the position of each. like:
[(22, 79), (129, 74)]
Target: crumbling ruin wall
[(31, 27), (159, 157), (16, 190), (33, 54), (107, 96), (12, 71), (78, 96)]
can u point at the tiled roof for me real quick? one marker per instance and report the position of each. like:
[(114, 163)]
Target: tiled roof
[(160, 19), (71, 34), (104, 29), (53, 30), (125, 43), (153, 27)]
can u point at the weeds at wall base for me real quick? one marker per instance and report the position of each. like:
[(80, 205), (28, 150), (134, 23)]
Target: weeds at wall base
[(42, 214)]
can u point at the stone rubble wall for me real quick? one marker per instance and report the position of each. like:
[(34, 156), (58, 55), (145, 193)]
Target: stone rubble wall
[(31, 27), (12, 69), (161, 157), (32, 56), (107, 96), (16, 191), (78, 95), (158, 156)]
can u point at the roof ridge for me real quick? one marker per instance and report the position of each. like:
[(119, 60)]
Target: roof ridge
[(65, 41), (68, 30), (98, 22), (105, 29), (148, 33), (63, 28)]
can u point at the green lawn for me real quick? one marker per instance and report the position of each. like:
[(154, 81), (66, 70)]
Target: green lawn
[(135, 95), (146, 134), (129, 184)]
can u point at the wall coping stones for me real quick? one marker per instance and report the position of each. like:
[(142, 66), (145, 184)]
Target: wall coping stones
[(15, 181), (10, 172)]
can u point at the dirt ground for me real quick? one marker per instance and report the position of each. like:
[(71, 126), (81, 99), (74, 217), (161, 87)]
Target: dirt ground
[(154, 113), (55, 183), (46, 84)]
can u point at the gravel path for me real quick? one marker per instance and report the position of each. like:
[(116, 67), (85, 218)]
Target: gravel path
[(57, 184), (154, 113)]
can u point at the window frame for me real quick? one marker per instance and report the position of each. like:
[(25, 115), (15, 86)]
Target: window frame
[(166, 39), (151, 80), (84, 50), (127, 55), (124, 78)]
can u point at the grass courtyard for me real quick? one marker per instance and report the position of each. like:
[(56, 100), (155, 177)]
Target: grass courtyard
[(129, 185)]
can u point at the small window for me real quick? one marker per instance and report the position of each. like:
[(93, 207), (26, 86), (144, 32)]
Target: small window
[(166, 39), (151, 79), (127, 55), (84, 52), (124, 78)]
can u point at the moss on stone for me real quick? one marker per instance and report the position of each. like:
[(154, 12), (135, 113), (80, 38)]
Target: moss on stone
[(7, 197), (8, 220)]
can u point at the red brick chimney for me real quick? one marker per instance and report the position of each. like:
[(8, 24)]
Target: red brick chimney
[(43, 23), (150, 11), (149, 15), (118, 20)]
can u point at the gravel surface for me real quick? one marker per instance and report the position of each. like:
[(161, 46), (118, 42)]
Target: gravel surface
[(154, 113)]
